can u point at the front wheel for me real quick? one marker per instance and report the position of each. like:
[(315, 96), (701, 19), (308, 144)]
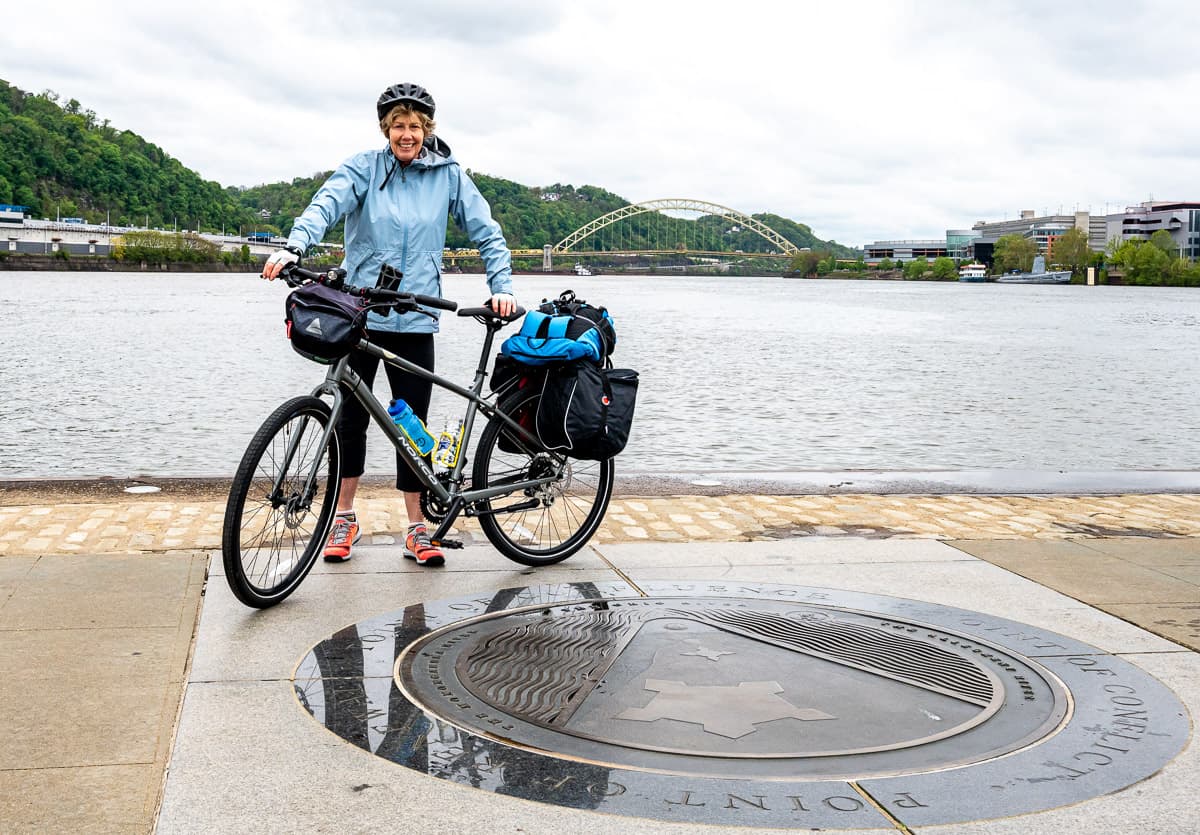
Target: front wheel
[(540, 525), (281, 503)]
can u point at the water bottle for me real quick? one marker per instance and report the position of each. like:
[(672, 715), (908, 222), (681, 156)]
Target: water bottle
[(448, 446), (411, 425)]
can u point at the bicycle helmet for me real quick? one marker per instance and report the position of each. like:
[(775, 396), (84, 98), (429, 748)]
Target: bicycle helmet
[(414, 95)]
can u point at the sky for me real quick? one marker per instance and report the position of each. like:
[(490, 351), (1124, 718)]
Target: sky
[(865, 120)]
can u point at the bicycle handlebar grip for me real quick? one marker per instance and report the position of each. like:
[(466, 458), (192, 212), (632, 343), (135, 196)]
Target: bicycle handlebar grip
[(434, 301)]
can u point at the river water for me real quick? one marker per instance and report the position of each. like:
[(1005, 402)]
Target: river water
[(121, 374)]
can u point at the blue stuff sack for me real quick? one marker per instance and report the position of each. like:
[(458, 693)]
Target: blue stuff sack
[(546, 338)]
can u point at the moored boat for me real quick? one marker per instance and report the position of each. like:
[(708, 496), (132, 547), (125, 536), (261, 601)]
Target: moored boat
[(1038, 275), (973, 272)]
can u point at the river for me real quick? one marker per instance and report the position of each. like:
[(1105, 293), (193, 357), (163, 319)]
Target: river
[(123, 374)]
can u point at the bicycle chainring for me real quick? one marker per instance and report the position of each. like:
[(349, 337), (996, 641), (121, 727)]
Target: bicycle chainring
[(435, 509)]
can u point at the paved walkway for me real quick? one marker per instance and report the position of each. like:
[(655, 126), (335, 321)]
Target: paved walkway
[(32, 524), (100, 594)]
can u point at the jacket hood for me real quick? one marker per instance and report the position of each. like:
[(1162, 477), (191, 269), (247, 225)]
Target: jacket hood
[(437, 146)]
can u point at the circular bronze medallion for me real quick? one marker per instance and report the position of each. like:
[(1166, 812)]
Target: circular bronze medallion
[(754, 704), (732, 689)]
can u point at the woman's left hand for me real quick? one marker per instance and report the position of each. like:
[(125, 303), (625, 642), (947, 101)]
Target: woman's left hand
[(503, 303)]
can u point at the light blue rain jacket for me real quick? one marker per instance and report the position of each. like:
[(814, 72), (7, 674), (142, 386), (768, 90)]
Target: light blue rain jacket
[(398, 216)]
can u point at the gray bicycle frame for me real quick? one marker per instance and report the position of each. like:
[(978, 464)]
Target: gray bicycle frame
[(340, 376)]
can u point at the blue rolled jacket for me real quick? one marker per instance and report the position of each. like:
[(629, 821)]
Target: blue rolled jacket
[(398, 216)]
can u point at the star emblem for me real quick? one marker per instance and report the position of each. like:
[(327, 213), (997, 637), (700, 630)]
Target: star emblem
[(710, 654), (725, 711)]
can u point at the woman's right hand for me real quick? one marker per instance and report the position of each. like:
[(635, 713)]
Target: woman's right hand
[(280, 259)]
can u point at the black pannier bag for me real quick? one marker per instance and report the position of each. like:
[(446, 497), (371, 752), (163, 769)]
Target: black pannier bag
[(509, 375), (586, 411), (324, 324), (512, 381)]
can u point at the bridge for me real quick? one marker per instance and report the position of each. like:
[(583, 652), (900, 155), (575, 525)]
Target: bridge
[(665, 227)]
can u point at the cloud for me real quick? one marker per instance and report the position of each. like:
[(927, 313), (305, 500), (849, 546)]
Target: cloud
[(863, 120)]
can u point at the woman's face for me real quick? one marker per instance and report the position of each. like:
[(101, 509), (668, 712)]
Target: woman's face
[(406, 136)]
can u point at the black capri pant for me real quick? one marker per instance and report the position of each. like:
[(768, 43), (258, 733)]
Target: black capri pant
[(352, 425)]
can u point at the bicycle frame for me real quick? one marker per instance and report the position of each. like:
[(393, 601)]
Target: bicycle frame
[(340, 378)]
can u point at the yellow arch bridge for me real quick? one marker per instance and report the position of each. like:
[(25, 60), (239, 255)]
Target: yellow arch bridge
[(668, 227)]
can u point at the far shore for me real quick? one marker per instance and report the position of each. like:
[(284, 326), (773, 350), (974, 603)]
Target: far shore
[(42, 491)]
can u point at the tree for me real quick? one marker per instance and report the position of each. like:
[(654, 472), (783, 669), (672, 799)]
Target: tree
[(1163, 240), (1071, 250), (805, 263), (886, 264), (1014, 252), (1149, 264), (944, 269), (916, 269)]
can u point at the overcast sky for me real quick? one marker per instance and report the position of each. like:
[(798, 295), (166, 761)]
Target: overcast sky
[(865, 120)]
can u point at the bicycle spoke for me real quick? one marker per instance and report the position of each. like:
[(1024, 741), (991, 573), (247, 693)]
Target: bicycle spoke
[(272, 538)]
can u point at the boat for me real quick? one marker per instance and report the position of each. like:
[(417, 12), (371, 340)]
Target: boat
[(1038, 275), (582, 270), (973, 272)]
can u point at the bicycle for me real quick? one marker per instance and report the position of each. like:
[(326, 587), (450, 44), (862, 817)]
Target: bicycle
[(535, 506)]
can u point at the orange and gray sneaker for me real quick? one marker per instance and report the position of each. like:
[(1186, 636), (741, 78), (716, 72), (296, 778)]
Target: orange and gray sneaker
[(418, 547), (344, 534)]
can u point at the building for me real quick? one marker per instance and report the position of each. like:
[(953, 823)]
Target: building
[(904, 250), (958, 242), (1138, 223), (12, 214), (1044, 230)]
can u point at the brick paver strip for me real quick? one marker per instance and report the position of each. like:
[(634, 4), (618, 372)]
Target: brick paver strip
[(161, 523)]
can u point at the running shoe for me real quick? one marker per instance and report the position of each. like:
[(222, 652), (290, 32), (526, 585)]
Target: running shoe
[(344, 534), (418, 547)]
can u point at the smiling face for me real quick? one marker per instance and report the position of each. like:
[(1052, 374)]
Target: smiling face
[(405, 134)]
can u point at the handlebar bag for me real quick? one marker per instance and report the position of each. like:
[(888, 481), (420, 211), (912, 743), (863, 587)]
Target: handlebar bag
[(324, 324), (586, 411)]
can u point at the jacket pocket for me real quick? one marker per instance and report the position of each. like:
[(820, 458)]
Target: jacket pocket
[(435, 258)]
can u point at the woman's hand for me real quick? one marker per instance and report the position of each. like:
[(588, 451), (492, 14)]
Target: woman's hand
[(503, 303), (278, 261)]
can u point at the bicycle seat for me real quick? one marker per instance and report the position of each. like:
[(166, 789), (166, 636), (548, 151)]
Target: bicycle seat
[(486, 314)]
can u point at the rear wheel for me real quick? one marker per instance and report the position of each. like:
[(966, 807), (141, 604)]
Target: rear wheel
[(538, 525), (271, 537)]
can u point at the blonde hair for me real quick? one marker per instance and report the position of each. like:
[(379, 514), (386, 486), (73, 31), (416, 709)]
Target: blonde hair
[(427, 124)]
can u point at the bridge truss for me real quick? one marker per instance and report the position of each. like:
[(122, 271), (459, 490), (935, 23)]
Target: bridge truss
[(700, 207)]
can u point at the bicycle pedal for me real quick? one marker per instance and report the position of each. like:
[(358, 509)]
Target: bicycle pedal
[(452, 544)]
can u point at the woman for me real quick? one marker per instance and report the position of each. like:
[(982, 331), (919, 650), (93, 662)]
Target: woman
[(396, 201)]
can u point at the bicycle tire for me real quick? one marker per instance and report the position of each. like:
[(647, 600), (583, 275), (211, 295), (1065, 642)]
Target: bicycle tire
[(571, 508), (268, 545)]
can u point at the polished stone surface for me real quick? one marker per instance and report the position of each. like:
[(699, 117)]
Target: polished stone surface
[(507, 692)]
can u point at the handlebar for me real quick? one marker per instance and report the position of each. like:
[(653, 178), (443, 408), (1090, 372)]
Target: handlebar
[(335, 279)]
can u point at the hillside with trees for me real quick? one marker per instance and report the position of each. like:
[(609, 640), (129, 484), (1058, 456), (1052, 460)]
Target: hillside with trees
[(61, 160)]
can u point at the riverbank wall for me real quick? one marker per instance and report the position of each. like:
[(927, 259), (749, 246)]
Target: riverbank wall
[(97, 263)]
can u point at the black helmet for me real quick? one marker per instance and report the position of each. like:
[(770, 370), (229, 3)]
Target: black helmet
[(414, 95)]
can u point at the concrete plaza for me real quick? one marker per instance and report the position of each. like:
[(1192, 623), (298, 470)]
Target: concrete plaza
[(140, 694)]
